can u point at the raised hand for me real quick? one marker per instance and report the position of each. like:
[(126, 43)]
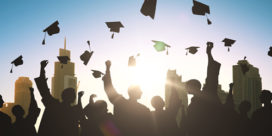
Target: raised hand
[(92, 96), (108, 63), (231, 86), (44, 63), (80, 94), (209, 47)]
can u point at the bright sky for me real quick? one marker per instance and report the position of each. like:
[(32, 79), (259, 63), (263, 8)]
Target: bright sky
[(22, 22)]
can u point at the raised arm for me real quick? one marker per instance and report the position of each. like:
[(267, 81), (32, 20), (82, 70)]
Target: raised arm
[(209, 51), (108, 87), (41, 82), (229, 101), (79, 103), (34, 110)]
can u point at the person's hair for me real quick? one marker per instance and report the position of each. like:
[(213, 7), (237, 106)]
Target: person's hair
[(244, 107), (68, 95), (157, 102), (193, 85), (18, 110), (134, 91)]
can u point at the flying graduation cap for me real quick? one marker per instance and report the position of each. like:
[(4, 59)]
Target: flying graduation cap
[(149, 8), (85, 57), (270, 51), (228, 43), (52, 29), (192, 49), (160, 46), (132, 60), (201, 9), (18, 61), (63, 60), (97, 74), (114, 27)]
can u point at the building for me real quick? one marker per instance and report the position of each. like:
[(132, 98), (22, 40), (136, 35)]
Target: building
[(174, 80), (64, 75), (21, 97), (247, 84)]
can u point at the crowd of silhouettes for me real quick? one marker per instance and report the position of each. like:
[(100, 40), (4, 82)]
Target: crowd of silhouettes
[(206, 115)]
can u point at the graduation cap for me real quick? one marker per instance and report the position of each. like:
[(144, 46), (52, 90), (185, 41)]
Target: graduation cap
[(132, 60), (149, 8), (63, 60), (52, 29), (114, 27), (18, 61), (85, 57), (97, 74), (160, 46), (270, 51), (228, 42), (192, 50), (201, 9)]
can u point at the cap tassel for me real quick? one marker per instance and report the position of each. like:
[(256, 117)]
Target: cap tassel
[(112, 36), (11, 69), (167, 51), (208, 20), (228, 49), (186, 53), (43, 42)]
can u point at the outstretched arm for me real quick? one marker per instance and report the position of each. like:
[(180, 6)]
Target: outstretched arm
[(33, 111), (108, 87), (229, 101), (41, 82)]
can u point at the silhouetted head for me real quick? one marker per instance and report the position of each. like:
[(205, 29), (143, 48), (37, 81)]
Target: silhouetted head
[(157, 102), (1, 101), (193, 86), (101, 106), (244, 107), (68, 95), (18, 111), (266, 96), (134, 92)]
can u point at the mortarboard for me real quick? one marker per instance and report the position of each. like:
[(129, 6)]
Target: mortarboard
[(132, 60), (270, 51), (149, 8), (97, 74), (18, 61), (114, 27), (52, 29), (63, 60), (160, 46), (228, 42), (201, 9), (85, 57), (192, 50)]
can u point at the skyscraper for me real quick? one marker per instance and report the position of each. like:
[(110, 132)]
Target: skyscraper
[(22, 93), (64, 75), (247, 84), (174, 80)]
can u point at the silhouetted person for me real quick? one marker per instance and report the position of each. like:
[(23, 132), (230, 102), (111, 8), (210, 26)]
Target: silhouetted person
[(133, 118), (59, 118), (205, 110), (245, 126), (98, 122), (26, 126), (262, 117), (229, 115), (164, 121), (5, 121)]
